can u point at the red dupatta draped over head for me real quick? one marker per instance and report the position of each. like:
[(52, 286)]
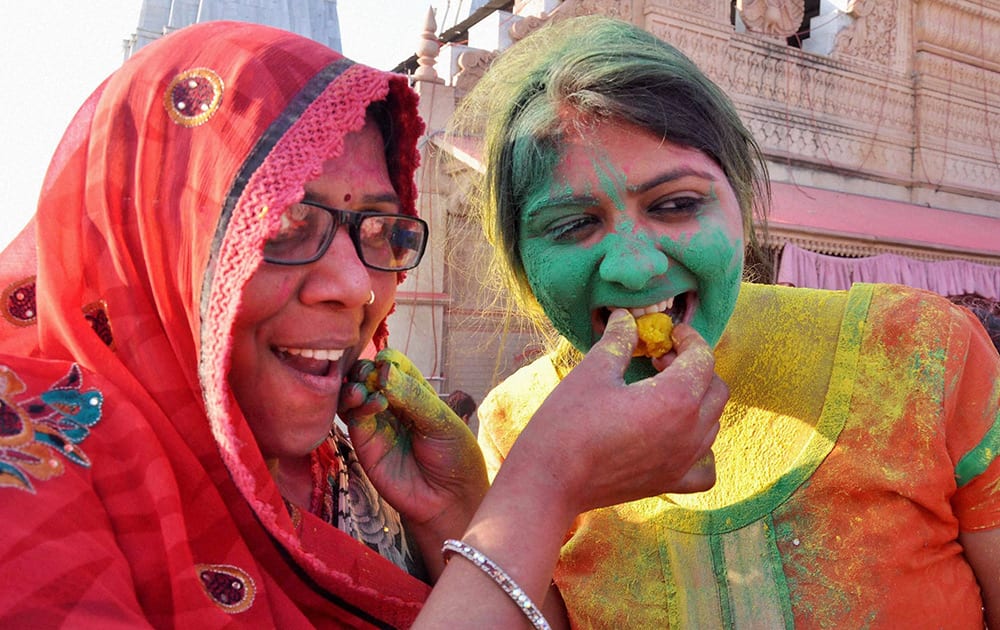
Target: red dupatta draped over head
[(151, 220)]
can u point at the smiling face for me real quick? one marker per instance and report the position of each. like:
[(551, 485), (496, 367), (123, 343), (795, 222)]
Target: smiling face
[(301, 327), (630, 220)]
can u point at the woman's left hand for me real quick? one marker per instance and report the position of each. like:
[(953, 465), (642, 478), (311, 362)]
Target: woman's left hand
[(419, 455)]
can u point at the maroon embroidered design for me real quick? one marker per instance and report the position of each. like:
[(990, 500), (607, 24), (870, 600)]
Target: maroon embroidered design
[(97, 314), (193, 96), (13, 425), (19, 305), (228, 586)]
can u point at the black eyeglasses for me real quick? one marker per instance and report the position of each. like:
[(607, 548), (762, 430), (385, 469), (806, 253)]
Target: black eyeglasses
[(383, 241)]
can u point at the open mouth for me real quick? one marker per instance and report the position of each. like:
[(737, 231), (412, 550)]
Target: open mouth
[(680, 308), (312, 361)]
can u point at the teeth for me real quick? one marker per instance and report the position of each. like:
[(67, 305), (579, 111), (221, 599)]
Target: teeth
[(320, 354), (659, 307)]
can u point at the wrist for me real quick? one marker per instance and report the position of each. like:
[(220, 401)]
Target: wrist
[(429, 535), (540, 484), (504, 581)]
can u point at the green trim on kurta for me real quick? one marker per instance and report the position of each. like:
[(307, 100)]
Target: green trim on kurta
[(778, 575), (834, 415), (729, 580), (976, 461), (721, 578), (692, 588), (756, 586)]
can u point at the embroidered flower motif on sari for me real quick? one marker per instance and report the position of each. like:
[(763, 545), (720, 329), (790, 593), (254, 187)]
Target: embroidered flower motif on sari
[(97, 314), (34, 430), (193, 96), (230, 587), (19, 302), (18, 305)]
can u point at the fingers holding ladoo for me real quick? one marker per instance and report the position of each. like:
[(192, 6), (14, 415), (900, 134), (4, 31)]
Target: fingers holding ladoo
[(607, 442)]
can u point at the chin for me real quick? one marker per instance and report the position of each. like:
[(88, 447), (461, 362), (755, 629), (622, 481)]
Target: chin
[(300, 446)]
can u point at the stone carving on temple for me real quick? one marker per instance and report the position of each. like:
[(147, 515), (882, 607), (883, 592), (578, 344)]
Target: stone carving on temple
[(621, 9), (472, 66), (427, 51), (524, 27), (772, 18), (872, 34)]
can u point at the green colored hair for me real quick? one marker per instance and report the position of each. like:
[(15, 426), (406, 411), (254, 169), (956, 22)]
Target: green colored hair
[(593, 69)]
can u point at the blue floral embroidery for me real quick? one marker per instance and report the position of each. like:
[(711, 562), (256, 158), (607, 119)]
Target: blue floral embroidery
[(34, 430)]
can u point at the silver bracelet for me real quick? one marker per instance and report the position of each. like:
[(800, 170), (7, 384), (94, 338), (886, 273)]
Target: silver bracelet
[(499, 576)]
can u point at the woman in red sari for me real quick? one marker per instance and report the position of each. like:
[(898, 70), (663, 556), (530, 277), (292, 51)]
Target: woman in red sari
[(183, 320)]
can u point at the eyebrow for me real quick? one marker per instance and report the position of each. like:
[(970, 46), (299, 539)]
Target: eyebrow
[(669, 176), (382, 198), (590, 200), (562, 200)]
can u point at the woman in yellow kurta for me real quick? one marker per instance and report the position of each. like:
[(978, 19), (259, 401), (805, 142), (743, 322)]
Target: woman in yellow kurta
[(858, 483)]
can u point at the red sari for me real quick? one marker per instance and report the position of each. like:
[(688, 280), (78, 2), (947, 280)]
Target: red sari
[(133, 491)]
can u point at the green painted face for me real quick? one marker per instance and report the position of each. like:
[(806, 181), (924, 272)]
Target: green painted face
[(629, 220)]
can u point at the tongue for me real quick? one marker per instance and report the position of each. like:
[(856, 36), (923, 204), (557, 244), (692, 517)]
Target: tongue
[(316, 367)]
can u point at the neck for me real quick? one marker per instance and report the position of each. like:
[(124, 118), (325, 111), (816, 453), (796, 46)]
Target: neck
[(294, 478)]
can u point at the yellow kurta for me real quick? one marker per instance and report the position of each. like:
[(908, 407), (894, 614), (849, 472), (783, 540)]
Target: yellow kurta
[(860, 436)]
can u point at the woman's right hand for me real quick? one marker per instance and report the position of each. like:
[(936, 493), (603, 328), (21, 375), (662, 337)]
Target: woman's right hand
[(599, 441), (594, 442), (419, 455)]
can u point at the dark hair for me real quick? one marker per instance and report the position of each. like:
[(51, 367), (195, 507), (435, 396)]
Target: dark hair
[(461, 403), (380, 112)]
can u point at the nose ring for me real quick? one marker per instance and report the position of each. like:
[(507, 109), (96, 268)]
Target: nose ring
[(371, 299)]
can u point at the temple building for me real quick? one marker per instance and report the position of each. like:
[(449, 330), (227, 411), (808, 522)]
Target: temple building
[(316, 19)]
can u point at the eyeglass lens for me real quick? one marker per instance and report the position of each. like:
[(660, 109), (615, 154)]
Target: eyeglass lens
[(383, 241), (390, 241)]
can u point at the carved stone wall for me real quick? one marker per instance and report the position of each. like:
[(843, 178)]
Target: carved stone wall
[(956, 52), (875, 33), (621, 9), (714, 12), (903, 99)]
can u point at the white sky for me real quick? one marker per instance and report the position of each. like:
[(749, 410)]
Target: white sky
[(53, 53)]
